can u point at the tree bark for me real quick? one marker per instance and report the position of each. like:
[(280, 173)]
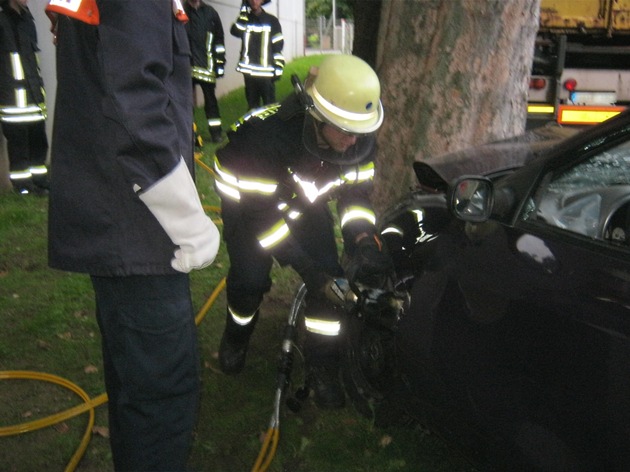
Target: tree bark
[(454, 73)]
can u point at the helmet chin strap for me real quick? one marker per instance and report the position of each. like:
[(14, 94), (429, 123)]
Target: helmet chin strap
[(305, 99)]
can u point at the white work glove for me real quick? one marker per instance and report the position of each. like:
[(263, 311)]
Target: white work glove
[(174, 202)]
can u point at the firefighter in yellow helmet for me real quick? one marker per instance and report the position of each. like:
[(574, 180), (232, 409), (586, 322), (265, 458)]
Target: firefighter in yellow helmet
[(276, 175)]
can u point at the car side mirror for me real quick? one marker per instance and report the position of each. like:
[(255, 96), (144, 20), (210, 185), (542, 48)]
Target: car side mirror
[(471, 198)]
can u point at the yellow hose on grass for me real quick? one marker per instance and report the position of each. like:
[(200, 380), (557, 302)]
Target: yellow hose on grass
[(89, 403)]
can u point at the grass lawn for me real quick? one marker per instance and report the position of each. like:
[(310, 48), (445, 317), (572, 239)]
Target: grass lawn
[(48, 326)]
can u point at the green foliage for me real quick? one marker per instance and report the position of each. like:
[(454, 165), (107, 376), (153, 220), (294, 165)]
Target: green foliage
[(317, 8), (48, 326), (313, 40)]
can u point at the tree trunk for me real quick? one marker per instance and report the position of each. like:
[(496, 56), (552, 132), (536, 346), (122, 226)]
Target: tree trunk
[(366, 23), (454, 73)]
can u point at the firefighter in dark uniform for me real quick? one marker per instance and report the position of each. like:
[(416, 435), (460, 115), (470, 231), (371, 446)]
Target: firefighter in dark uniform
[(124, 209), (22, 99), (207, 45), (261, 61), (281, 167)]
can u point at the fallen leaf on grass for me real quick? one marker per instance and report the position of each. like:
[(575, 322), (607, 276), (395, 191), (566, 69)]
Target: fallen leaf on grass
[(80, 314), (349, 421), (209, 366), (62, 427), (304, 443), (385, 441), (102, 431)]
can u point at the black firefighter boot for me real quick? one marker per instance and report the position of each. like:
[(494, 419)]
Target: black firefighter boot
[(234, 344), (216, 134), (322, 371)]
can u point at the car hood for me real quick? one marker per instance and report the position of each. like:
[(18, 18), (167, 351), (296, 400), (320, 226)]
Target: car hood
[(489, 159)]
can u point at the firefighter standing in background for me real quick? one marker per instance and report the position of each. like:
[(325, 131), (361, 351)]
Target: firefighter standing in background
[(207, 45), (124, 209), (261, 61), (280, 168), (22, 99)]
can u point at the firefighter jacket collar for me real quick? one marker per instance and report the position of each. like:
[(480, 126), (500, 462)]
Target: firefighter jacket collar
[(82, 10)]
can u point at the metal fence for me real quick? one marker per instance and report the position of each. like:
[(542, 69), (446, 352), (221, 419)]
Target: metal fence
[(321, 36)]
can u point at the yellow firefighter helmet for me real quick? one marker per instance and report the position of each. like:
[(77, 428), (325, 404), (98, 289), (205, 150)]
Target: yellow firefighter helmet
[(346, 94)]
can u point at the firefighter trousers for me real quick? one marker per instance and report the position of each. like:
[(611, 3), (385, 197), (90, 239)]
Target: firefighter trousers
[(151, 367), (210, 106), (27, 145), (259, 91), (248, 277)]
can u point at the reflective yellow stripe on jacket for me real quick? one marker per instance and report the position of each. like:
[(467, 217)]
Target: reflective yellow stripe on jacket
[(231, 186), (21, 111)]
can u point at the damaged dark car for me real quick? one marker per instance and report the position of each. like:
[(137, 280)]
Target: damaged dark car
[(515, 344)]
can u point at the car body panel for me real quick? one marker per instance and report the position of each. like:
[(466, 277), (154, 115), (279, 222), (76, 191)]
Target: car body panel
[(516, 343)]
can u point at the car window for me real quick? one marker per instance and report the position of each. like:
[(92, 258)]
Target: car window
[(591, 198)]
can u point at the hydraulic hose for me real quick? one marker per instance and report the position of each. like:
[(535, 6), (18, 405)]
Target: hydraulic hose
[(88, 406), (89, 403), (272, 436)]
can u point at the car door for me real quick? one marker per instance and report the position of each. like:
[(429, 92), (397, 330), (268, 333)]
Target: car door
[(540, 339)]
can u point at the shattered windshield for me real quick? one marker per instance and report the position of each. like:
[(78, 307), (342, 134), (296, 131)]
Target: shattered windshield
[(582, 198)]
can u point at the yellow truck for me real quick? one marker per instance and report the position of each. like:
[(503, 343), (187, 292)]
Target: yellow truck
[(581, 69)]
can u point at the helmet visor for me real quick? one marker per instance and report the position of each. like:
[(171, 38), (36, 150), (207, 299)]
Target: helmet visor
[(317, 145)]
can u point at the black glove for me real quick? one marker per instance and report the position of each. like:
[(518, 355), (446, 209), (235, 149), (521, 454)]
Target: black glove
[(370, 264), (320, 284)]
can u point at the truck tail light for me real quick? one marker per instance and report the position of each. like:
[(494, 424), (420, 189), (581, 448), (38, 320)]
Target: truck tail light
[(570, 85), (537, 83)]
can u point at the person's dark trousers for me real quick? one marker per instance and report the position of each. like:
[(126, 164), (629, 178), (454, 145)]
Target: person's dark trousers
[(315, 232), (248, 277), (27, 144), (211, 108), (151, 367), (259, 91)]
